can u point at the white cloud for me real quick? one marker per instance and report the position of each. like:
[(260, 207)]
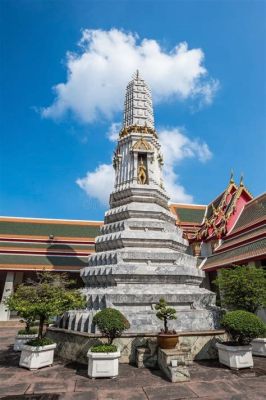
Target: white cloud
[(113, 131), (176, 147), (99, 183), (97, 75)]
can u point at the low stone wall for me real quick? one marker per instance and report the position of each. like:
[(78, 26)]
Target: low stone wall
[(72, 345)]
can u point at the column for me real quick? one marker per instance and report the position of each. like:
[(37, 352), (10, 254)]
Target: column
[(8, 289)]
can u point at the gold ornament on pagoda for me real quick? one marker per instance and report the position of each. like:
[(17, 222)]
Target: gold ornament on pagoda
[(142, 176)]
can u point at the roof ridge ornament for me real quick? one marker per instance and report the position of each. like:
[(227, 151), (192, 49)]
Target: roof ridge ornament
[(241, 183), (232, 177)]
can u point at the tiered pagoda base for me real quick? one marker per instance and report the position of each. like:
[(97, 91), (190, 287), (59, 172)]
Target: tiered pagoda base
[(141, 257)]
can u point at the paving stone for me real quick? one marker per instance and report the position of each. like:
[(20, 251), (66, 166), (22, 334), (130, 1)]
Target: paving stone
[(52, 387), (5, 375), (201, 373), (122, 395), (218, 390), (255, 383), (88, 395), (256, 395), (19, 388), (46, 396), (227, 397), (169, 392), (83, 385)]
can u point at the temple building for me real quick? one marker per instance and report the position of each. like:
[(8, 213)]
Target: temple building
[(33, 244), (28, 245), (145, 245)]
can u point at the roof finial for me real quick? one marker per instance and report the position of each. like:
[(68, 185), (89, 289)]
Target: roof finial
[(241, 180), (137, 74), (232, 177)]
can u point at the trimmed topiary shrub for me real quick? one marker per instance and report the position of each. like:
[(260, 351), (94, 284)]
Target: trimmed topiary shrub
[(40, 342), (104, 348), (111, 323), (243, 326), (242, 288), (30, 331)]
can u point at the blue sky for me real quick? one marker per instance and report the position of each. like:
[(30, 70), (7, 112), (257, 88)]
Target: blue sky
[(215, 124)]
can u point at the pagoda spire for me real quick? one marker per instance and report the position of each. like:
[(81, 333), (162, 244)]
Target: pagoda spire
[(138, 103)]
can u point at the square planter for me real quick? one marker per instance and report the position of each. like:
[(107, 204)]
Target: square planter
[(21, 340), (259, 347), (37, 357), (103, 365), (235, 357)]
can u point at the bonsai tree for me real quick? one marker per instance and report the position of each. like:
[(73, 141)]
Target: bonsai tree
[(243, 326), (29, 320), (242, 288), (111, 323), (165, 313), (50, 296)]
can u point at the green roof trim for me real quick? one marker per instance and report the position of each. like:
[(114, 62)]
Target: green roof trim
[(14, 228), (48, 246), (236, 255), (56, 261), (253, 211), (190, 214), (216, 202)]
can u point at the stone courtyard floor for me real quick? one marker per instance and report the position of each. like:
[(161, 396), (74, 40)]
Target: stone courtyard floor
[(69, 381)]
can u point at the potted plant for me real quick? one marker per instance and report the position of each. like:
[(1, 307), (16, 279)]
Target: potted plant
[(49, 296), (103, 358), (243, 327), (244, 288), (167, 339), (26, 334)]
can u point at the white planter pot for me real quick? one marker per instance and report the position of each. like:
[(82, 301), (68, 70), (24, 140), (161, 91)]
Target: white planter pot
[(259, 347), (37, 357), (235, 357), (102, 365), (21, 340)]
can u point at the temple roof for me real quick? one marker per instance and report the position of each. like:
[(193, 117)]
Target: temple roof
[(34, 227), (238, 255), (222, 212), (255, 210), (247, 239), (188, 213), (34, 244)]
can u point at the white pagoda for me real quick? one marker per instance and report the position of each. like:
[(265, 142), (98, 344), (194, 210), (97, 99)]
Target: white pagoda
[(141, 255)]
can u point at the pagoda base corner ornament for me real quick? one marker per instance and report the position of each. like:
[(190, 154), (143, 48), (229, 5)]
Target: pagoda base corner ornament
[(141, 255)]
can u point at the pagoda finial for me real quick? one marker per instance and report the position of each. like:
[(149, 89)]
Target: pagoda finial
[(232, 177), (136, 75), (241, 180)]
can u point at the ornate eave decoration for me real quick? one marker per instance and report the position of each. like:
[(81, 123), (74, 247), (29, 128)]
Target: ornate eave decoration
[(145, 130)]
